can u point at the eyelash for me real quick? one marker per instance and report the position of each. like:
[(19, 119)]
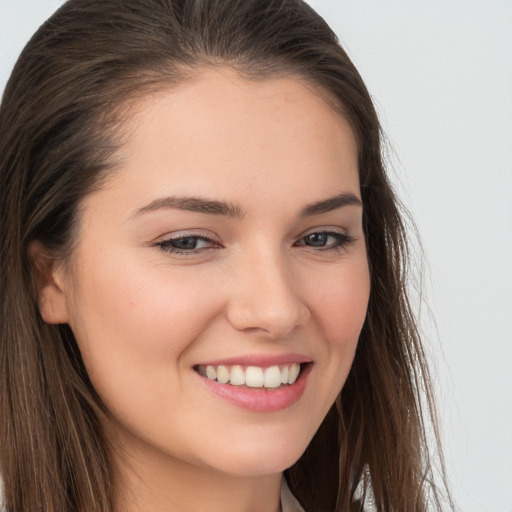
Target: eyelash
[(342, 240), (167, 245)]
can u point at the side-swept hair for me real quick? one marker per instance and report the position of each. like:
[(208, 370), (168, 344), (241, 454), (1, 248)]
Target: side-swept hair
[(58, 139)]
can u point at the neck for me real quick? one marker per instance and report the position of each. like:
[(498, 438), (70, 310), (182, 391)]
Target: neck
[(165, 484)]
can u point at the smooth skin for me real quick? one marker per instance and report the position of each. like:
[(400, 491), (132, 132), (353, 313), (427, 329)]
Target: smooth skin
[(151, 289)]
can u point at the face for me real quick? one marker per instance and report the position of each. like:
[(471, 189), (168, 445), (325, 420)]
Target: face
[(229, 245)]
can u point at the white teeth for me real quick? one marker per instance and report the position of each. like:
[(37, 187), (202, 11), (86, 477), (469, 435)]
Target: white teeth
[(253, 376), (237, 377), (211, 372), (272, 377), (294, 373), (222, 374)]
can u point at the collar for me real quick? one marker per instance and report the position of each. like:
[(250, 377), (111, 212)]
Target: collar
[(289, 502)]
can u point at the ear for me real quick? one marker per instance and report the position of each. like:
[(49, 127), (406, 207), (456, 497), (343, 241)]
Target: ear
[(49, 280)]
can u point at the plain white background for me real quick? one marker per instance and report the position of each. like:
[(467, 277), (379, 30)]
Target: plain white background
[(441, 76)]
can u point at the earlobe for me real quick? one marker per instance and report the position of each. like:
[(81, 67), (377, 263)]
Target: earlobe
[(48, 277)]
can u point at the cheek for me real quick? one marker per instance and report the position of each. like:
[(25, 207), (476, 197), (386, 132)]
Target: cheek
[(340, 305), (340, 311), (338, 300), (129, 320), (134, 327), (142, 300)]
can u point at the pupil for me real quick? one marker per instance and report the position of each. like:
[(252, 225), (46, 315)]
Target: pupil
[(185, 243), (317, 239)]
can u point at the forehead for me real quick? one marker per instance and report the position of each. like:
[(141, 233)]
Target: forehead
[(222, 134)]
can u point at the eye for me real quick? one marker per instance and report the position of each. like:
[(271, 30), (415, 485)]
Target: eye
[(187, 244), (325, 240)]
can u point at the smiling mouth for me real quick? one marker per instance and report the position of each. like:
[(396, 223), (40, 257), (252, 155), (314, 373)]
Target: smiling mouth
[(272, 377)]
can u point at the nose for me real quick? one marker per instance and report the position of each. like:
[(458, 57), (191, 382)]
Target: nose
[(264, 298)]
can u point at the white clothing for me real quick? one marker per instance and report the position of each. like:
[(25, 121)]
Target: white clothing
[(289, 502)]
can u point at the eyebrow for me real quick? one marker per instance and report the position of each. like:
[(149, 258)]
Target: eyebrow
[(330, 204), (211, 207), (192, 204)]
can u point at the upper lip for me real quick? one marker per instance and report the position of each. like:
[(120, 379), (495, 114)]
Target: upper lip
[(262, 360)]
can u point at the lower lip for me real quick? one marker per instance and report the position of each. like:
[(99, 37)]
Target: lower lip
[(258, 399)]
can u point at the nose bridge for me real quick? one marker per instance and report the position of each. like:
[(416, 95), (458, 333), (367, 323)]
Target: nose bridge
[(264, 296)]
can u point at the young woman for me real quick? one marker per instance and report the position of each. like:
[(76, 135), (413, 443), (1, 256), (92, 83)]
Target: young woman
[(202, 270)]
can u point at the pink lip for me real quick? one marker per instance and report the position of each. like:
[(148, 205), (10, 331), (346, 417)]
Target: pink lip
[(264, 361), (257, 399)]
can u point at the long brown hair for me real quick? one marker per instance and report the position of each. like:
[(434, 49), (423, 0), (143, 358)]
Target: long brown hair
[(58, 139)]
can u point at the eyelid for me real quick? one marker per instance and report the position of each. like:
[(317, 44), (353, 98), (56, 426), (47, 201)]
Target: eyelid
[(343, 238), (325, 229), (165, 242), (188, 233), (332, 230)]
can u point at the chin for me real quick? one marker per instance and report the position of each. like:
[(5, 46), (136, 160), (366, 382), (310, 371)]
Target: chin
[(256, 460)]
